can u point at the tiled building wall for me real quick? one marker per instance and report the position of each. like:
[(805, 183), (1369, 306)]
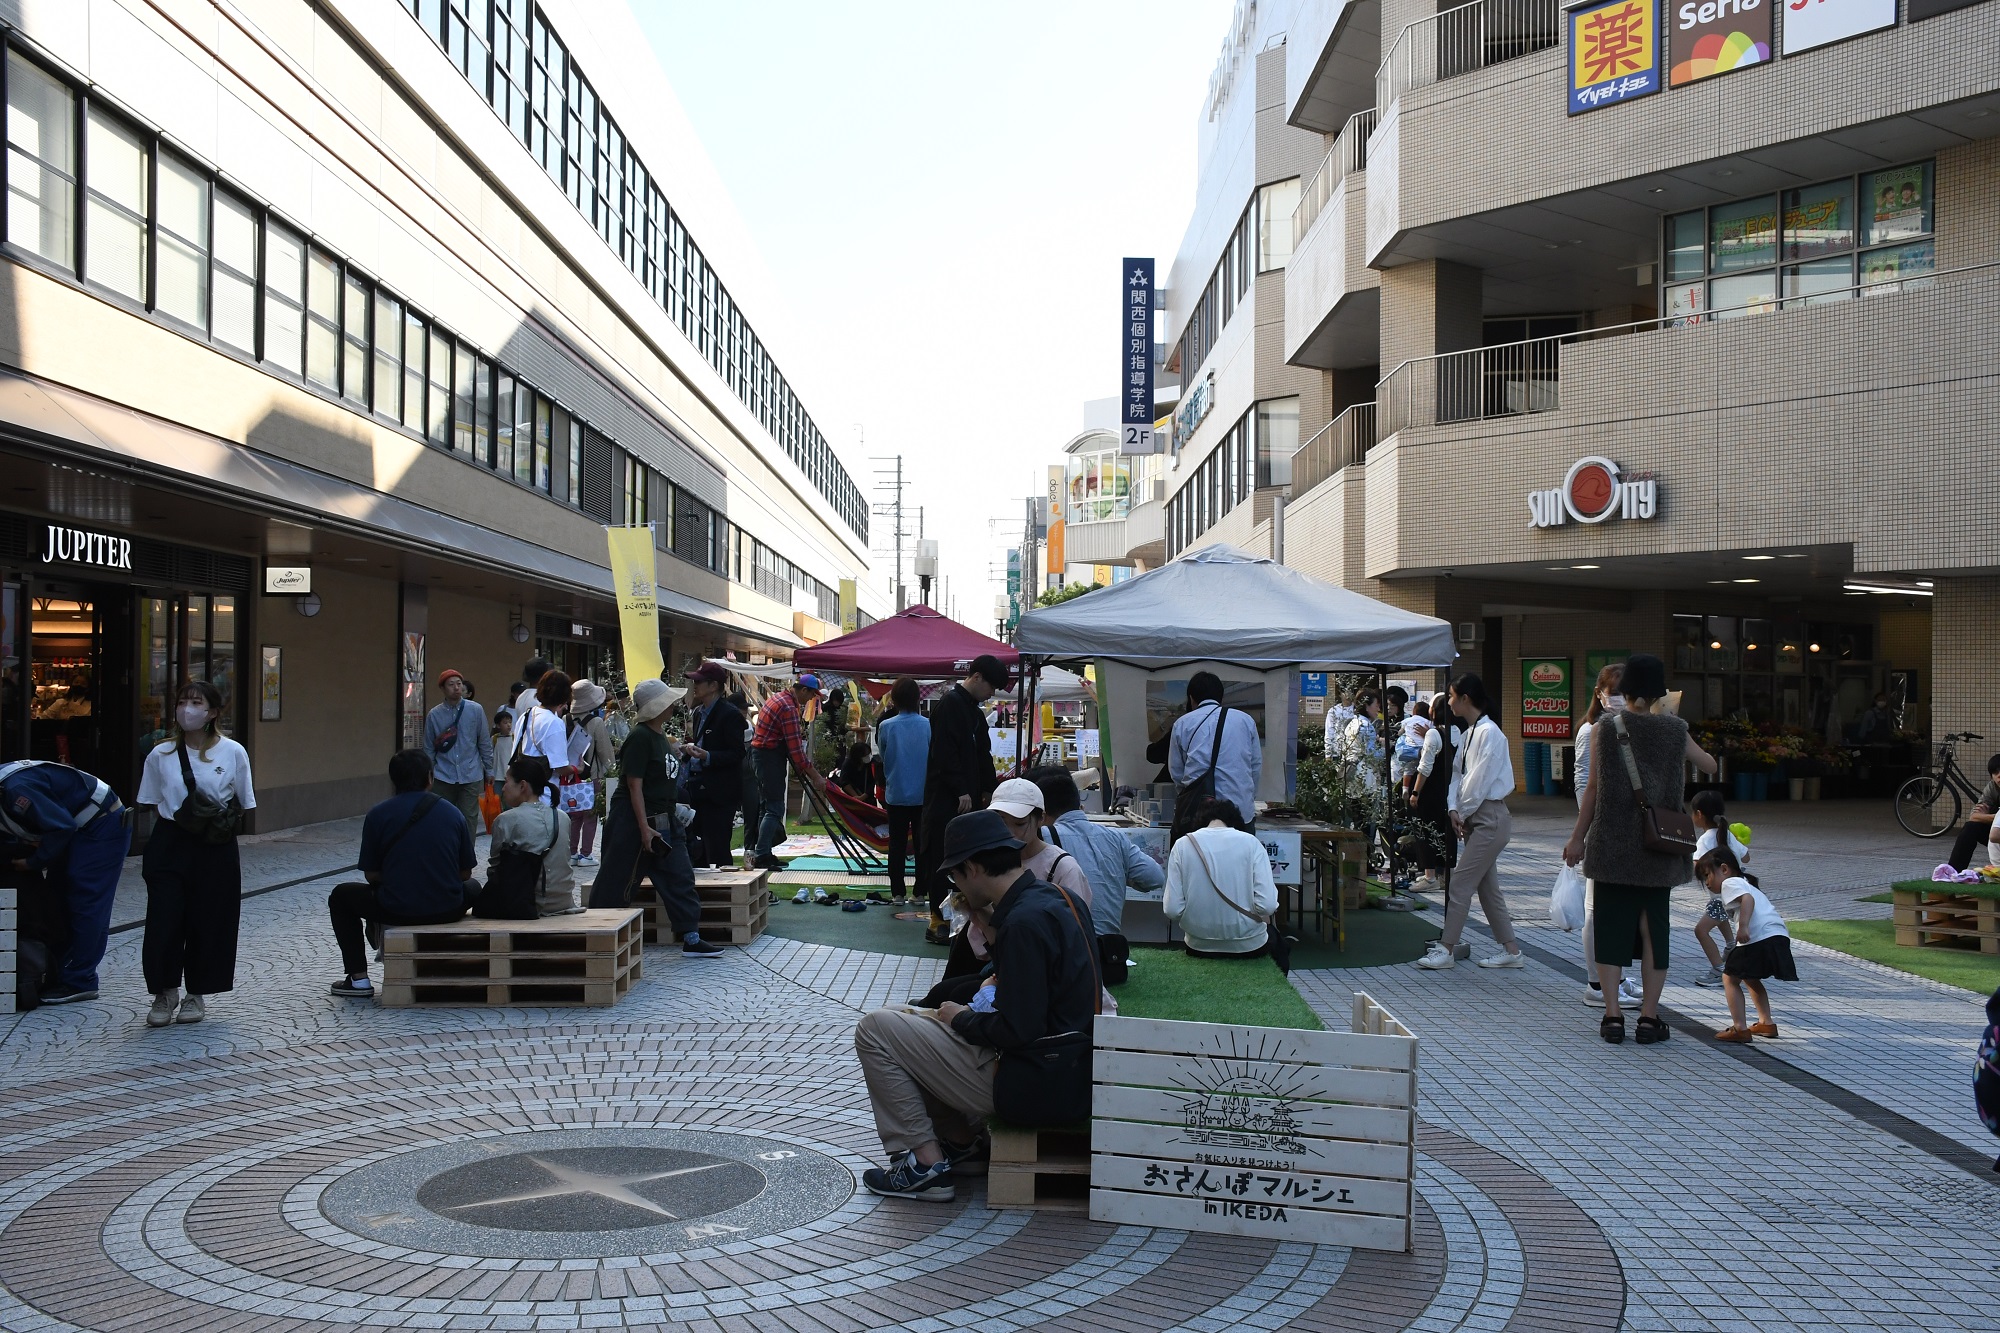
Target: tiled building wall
[(1964, 614)]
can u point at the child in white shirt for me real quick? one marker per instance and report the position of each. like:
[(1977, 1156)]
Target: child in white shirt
[(1763, 949), (1706, 812), (1410, 745)]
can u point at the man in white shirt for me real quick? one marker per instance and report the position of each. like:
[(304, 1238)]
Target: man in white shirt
[(1239, 759), (1482, 780)]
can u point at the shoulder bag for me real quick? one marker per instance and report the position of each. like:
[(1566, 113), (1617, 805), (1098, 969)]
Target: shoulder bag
[(449, 736), (513, 889), (214, 822), (1047, 1082), (1276, 942), (1670, 832), (1193, 793)]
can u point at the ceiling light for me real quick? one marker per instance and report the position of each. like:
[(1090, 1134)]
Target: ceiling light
[(1586, 566), (1888, 590), (1746, 580), (1658, 189), (1925, 583), (1760, 557), (1715, 643), (1749, 647), (1812, 647), (1713, 582), (1793, 555)]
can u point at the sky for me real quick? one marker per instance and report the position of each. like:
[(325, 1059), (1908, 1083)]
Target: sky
[(943, 192)]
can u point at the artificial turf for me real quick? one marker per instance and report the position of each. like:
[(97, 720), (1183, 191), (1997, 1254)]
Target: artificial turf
[(1977, 889), (1166, 983), (1875, 941)]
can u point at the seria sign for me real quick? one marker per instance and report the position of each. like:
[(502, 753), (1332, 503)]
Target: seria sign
[(1593, 490)]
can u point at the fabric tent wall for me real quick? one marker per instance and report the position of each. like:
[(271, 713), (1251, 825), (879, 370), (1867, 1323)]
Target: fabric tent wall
[(1122, 711)]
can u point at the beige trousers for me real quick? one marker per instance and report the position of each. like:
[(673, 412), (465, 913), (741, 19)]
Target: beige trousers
[(1488, 830), (925, 1082)]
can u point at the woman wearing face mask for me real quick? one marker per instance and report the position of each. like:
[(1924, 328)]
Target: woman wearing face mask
[(1604, 698), (194, 881)]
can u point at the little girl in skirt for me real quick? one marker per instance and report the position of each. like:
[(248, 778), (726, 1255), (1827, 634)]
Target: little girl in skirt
[(1763, 945)]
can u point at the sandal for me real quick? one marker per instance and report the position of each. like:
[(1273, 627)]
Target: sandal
[(1612, 1028), (1652, 1030), (1734, 1034)]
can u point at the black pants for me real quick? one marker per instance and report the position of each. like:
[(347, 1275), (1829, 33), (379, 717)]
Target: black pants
[(194, 904), (352, 904), (625, 863), (1970, 835), (930, 850), (904, 821), (714, 824)]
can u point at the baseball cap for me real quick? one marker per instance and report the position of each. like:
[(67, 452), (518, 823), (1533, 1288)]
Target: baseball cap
[(1017, 797), (968, 835), (709, 672), (808, 681)]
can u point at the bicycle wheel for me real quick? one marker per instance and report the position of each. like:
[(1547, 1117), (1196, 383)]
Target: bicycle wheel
[(1922, 804)]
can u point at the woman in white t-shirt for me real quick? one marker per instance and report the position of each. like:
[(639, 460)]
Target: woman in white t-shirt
[(540, 730), (194, 879)]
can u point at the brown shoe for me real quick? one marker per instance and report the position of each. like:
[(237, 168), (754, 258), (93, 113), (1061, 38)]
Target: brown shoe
[(1763, 1029), (1733, 1034)]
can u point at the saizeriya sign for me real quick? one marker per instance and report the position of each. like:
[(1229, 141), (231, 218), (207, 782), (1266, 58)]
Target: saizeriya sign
[(1593, 490)]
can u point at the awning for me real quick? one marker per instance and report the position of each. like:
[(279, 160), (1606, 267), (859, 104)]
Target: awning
[(158, 452)]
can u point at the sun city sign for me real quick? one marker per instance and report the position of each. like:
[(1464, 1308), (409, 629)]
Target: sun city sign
[(1593, 490)]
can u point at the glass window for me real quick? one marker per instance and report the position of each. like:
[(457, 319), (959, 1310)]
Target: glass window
[(41, 163), (1744, 294), (1275, 205), (1885, 271), (1685, 303), (503, 424), (483, 439), (1277, 440), (1690, 644), (1722, 642), (284, 298), (182, 290), (463, 440), (561, 485), (544, 446), (1743, 234), (413, 370), (437, 419), (575, 461), (1821, 281), (354, 341), (1758, 650), (1897, 203), (116, 207), (234, 279), (1819, 220), (388, 359), (1684, 246), (524, 434)]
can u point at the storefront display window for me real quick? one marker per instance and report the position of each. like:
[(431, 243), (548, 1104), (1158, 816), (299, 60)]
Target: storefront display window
[(1757, 648), (1722, 643), (1819, 220), (1898, 203), (1743, 234)]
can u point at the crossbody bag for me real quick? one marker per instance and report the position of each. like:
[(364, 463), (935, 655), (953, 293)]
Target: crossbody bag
[(1198, 789), (1670, 832), (1275, 940), (214, 822)]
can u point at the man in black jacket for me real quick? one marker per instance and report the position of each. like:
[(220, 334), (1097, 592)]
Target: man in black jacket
[(958, 776), (712, 774), (931, 1079)]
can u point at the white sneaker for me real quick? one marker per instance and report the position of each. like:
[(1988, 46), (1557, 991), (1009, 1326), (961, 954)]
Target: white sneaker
[(1629, 991), (586, 860), (1594, 995), (1437, 958), (193, 1010), (1503, 959), (164, 1005), (802, 896)]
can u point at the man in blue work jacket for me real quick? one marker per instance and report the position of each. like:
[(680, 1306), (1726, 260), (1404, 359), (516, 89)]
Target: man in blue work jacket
[(62, 820)]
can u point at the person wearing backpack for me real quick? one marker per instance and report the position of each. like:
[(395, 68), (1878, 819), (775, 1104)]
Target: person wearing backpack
[(536, 834), (199, 784), (417, 860), (461, 748)]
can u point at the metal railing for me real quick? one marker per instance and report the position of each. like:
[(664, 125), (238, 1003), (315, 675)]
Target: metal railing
[(1515, 379), (1342, 441), (1348, 153), (1467, 38)]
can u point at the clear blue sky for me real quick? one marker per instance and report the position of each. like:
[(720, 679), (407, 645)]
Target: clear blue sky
[(944, 192)]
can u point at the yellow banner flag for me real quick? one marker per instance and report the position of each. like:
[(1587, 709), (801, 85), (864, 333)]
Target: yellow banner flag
[(638, 607)]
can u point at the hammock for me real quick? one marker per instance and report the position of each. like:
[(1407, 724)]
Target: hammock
[(866, 821), (860, 830)]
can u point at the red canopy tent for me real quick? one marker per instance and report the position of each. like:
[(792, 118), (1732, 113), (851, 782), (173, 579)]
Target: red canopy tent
[(919, 641)]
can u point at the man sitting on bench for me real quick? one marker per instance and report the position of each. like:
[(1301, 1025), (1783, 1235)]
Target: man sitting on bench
[(416, 854), (932, 1075)]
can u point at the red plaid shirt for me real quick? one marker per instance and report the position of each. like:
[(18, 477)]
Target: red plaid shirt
[(780, 727)]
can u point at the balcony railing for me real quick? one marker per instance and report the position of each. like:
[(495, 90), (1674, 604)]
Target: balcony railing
[(1345, 439), (1348, 153), (1515, 379), (1459, 41)]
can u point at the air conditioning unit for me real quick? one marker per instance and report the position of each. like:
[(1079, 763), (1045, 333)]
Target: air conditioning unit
[(1471, 633)]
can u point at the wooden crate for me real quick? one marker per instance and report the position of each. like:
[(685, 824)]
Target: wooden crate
[(735, 906), (601, 931), (1038, 1168), (586, 958), (539, 992), (1245, 1131), (1946, 917), (518, 966), (732, 885)]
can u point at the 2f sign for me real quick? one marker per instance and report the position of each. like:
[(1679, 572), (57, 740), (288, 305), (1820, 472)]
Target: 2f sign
[(1137, 440)]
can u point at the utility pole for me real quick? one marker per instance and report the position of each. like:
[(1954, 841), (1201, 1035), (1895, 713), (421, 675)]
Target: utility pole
[(889, 478)]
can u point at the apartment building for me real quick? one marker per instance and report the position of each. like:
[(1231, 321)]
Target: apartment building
[(332, 336), (1676, 322)]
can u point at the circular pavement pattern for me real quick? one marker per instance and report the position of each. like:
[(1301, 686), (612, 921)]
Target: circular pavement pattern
[(692, 1178)]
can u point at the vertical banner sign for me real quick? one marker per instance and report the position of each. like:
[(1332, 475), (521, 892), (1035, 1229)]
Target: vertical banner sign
[(1013, 587), (1545, 701), (1057, 558), (638, 603), (1810, 23), (1717, 36), (1135, 430), (850, 606), (1614, 52)]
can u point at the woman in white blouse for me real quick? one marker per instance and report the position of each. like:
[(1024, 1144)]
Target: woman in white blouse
[(1482, 780), (194, 879)]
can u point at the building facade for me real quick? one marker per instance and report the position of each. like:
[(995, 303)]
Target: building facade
[(1668, 351), (335, 336)]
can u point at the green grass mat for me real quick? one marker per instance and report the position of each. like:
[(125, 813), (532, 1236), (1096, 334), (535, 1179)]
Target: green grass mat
[(1877, 898), (1983, 889), (1166, 983), (875, 929), (1374, 939), (1875, 941)]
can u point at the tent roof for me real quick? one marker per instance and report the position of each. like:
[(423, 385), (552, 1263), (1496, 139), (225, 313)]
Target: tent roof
[(917, 641), (1221, 604)]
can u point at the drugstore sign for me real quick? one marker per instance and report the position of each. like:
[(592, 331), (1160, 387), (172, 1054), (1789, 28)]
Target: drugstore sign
[(1593, 490)]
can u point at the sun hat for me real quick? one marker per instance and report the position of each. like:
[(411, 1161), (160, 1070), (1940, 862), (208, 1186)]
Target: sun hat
[(650, 698), (1017, 797), (970, 834), (585, 696)]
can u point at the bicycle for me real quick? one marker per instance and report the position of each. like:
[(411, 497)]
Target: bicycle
[(1918, 799)]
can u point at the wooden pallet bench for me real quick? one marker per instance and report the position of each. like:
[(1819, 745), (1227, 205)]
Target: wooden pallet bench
[(1046, 1168), (1947, 917), (735, 906), (586, 958)]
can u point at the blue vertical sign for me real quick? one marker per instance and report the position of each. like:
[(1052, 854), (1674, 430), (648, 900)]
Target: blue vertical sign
[(1135, 376)]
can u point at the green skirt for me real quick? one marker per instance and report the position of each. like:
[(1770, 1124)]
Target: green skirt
[(1618, 909)]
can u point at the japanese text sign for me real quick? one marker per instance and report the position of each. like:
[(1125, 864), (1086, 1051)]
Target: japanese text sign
[(1614, 53), (1135, 359), (1810, 23), (1545, 698)]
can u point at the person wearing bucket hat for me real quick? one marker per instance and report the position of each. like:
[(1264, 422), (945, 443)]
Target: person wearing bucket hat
[(934, 1076), (591, 754), (460, 744), (642, 835), (713, 776)]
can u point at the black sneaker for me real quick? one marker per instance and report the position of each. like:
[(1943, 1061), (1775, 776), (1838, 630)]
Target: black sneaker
[(767, 862), (57, 993), (970, 1160), (354, 988), (906, 1180), (701, 949), (937, 935)]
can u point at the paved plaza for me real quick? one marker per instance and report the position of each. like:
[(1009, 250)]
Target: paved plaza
[(689, 1158)]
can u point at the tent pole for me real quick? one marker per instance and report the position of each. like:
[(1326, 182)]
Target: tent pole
[(1388, 793)]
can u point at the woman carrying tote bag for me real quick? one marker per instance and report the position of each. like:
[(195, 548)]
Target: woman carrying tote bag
[(1628, 837)]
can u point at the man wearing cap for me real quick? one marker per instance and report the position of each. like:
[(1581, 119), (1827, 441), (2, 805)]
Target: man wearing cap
[(65, 821), (712, 778), (780, 738), (460, 745), (641, 836), (958, 774), (934, 1077)]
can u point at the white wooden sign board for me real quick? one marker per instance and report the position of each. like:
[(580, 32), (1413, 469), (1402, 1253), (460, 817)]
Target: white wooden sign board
[(1246, 1131)]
